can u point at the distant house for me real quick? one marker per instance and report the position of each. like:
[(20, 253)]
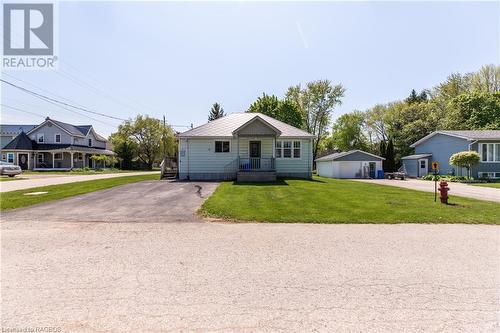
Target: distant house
[(440, 145), (9, 132), (247, 147), (349, 164), (52, 145)]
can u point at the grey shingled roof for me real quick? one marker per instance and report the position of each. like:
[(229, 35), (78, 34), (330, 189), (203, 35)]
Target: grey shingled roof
[(465, 134), (15, 129), (416, 156), (335, 156), (78, 130), (225, 126), (21, 142), (476, 134)]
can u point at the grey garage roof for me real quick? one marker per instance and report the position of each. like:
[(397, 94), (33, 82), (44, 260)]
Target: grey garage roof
[(363, 156), (225, 126), (467, 135), (416, 156)]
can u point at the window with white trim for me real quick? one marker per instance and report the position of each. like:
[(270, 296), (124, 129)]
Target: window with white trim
[(10, 157), (57, 138), (40, 138), (222, 146), (278, 149), (490, 152), (491, 175), (40, 158), (288, 149), (58, 156)]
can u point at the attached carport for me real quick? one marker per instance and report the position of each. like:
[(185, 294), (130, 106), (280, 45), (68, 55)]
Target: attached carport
[(350, 164)]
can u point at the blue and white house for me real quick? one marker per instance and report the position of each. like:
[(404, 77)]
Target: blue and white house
[(52, 145), (247, 147), (440, 145)]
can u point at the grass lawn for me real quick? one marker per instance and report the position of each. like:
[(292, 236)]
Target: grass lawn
[(17, 199), (325, 200), (494, 185)]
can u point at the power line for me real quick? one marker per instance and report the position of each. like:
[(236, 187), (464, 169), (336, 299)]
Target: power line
[(48, 99), (21, 110)]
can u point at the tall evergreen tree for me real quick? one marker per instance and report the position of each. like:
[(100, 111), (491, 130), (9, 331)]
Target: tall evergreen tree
[(216, 112), (383, 153), (390, 157)]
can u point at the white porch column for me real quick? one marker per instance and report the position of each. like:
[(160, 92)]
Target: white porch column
[(71, 160), (53, 160)]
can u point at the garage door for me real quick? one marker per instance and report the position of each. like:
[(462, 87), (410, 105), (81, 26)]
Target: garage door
[(350, 169), (324, 169)]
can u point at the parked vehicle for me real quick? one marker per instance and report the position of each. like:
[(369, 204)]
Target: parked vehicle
[(9, 169)]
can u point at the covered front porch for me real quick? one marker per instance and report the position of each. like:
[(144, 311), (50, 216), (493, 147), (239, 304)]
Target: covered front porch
[(256, 153), (68, 159)]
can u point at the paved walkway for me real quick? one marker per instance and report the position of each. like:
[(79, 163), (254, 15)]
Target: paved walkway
[(458, 189), (36, 180)]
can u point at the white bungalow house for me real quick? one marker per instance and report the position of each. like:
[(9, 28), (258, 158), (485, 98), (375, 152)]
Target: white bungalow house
[(247, 147), (54, 145)]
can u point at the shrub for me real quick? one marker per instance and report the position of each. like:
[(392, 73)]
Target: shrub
[(465, 159)]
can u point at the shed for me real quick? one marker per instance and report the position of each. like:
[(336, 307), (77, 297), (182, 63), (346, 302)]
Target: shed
[(350, 164)]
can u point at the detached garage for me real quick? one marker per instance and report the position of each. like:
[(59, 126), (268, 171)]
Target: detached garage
[(350, 164)]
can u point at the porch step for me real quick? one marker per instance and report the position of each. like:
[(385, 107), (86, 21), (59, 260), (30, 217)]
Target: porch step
[(256, 176), (169, 174)]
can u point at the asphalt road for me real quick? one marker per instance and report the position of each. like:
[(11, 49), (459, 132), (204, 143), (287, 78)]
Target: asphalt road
[(458, 189), (122, 273)]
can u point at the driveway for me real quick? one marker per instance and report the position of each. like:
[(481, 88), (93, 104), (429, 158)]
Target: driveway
[(148, 201), (458, 189), (41, 179)]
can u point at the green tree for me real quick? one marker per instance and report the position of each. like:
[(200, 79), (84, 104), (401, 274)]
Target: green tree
[(125, 149), (382, 151), (465, 159), (105, 160), (148, 134), (216, 112), (282, 110), (390, 157), (347, 132), (316, 102), (474, 111)]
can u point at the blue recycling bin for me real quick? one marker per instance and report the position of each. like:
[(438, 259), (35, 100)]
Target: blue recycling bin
[(380, 174)]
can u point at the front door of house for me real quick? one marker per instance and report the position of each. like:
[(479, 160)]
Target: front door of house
[(255, 154), (423, 168), (23, 161)]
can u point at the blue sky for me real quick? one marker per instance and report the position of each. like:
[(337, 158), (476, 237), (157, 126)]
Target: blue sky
[(177, 59)]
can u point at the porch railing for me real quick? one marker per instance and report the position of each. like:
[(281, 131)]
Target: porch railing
[(257, 164)]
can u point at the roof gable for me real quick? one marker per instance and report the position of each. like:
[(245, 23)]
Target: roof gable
[(257, 126)]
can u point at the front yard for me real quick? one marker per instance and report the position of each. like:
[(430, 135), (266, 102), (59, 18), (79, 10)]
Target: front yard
[(325, 200), (17, 199)]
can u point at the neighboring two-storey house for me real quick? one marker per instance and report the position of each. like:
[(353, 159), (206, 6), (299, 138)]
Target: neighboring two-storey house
[(440, 145), (54, 145)]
